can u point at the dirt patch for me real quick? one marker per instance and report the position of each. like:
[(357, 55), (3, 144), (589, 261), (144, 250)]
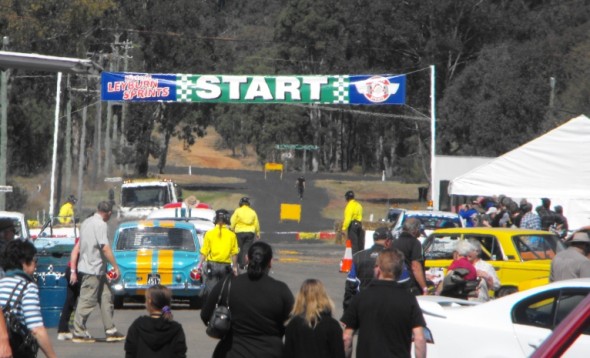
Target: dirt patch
[(205, 153)]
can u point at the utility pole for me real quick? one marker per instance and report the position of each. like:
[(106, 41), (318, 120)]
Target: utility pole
[(114, 57), (68, 139), (82, 151), (122, 141), (97, 139), (4, 126)]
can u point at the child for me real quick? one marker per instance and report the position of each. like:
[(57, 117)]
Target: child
[(156, 335), (312, 332)]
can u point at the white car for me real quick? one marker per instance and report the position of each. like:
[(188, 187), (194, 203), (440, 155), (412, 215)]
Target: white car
[(430, 220), (511, 326), (202, 219), (183, 213)]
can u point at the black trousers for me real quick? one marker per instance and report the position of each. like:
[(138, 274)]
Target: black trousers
[(356, 235), (245, 239), (215, 272), (72, 294)]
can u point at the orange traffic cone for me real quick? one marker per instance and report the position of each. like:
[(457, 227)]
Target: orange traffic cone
[(346, 263)]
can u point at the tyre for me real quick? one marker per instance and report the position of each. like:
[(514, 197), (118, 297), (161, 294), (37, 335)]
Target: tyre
[(118, 302), (505, 291)]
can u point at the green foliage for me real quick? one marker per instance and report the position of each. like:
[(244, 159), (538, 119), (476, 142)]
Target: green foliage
[(17, 200), (493, 63)]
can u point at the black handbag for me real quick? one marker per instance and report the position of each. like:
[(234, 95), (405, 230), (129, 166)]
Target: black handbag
[(220, 321), (22, 341)]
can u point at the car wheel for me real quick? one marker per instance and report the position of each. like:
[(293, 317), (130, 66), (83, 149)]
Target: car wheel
[(505, 291), (118, 302), (195, 302)]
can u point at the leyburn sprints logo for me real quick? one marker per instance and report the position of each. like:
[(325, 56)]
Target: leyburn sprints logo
[(377, 89)]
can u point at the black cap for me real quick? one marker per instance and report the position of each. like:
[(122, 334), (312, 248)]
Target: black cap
[(382, 233), (349, 195), (244, 200), (222, 215)]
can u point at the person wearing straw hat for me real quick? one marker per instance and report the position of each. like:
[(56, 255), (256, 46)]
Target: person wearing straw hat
[(572, 262)]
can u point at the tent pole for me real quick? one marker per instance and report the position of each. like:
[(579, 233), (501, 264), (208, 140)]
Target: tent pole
[(434, 189)]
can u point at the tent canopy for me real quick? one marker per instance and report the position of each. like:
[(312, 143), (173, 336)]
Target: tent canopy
[(555, 165)]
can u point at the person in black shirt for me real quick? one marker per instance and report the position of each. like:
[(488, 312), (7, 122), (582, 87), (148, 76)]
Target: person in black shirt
[(300, 184), (410, 246), (385, 314), (363, 265), (259, 305), (156, 335)]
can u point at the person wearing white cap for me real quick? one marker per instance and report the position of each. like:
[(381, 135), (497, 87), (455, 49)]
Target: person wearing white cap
[(572, 262)]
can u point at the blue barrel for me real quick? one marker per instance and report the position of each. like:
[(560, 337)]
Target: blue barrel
[(52, 283), (52, 295)]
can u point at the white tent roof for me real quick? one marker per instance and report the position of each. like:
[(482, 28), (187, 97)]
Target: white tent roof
[(555, 165)]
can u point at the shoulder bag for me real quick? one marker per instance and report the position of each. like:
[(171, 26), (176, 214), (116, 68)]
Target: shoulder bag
[(22, 341), (220, 321)]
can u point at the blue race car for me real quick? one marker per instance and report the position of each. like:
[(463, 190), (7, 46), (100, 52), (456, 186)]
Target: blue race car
[(153, 252)]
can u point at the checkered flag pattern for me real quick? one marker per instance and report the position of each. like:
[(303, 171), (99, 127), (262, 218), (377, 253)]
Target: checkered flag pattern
[(341, 84), (183, 87)]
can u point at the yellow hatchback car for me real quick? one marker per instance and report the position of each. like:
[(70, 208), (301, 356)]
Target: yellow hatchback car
[(518, 255)]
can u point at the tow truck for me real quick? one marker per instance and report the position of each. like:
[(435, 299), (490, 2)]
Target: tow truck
[(20, 224), (139, 197)]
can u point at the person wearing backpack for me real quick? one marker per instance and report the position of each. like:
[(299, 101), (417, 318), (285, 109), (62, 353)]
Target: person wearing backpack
[(19, 292)]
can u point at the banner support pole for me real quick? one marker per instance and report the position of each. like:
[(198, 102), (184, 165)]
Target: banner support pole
[(434, 189)]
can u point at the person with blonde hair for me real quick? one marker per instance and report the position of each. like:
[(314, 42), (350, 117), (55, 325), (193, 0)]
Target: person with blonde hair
[(312, 331), (156, 335)]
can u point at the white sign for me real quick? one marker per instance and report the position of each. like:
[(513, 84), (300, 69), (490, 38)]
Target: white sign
[(113, 180), (5, 189)]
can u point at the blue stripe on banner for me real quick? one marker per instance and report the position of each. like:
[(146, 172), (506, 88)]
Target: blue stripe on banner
[(377, 89), (136, 87)]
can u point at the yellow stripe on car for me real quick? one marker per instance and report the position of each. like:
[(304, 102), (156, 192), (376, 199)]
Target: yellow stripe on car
[(167, 223), (166, 266), (145, 223), (144, 265)]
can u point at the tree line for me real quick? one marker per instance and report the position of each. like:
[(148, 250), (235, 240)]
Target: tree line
[(494, 63)]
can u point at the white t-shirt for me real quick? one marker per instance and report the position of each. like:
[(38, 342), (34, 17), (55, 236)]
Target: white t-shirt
[(484, 266), (93, 236)]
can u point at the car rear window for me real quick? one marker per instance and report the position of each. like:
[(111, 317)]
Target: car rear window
[(156, 238), (537, 247)]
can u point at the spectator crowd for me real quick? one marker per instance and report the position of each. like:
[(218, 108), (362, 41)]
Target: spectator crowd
[(502, 211), (267, 320)]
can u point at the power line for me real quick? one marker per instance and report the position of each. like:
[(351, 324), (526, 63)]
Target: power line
[(364, 113)]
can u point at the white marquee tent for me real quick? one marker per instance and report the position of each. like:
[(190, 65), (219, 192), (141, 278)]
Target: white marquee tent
[(555, 165)]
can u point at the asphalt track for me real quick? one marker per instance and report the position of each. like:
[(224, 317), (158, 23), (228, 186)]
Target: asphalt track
[(268, 194)]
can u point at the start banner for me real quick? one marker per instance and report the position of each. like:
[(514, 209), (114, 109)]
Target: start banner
[(318, 89)]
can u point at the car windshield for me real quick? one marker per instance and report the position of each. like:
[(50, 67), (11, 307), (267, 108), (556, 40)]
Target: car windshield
[(144, 196), (156, 238), (433, 222), (440, 247), (393, 215), (537, 247)]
